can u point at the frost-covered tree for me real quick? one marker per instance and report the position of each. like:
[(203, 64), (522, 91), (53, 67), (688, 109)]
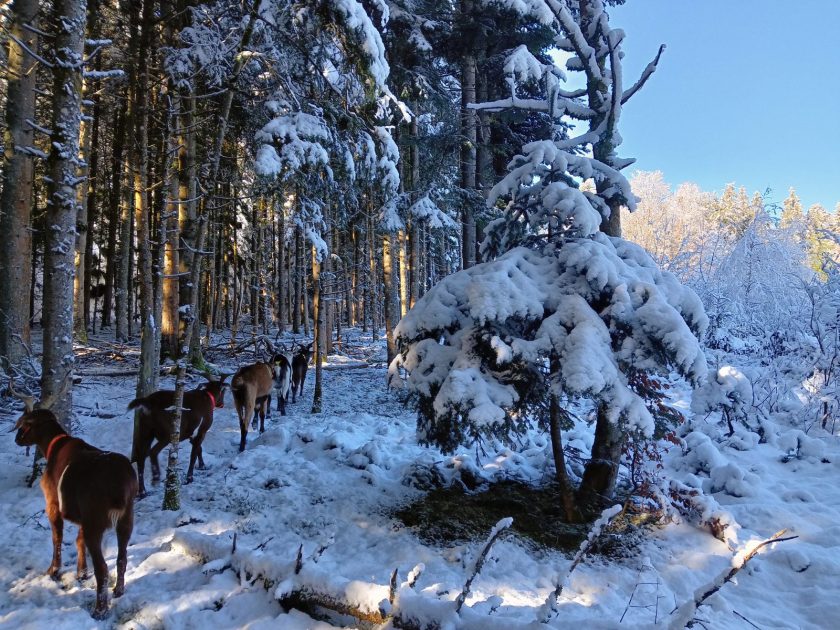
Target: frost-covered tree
[(559, 311)]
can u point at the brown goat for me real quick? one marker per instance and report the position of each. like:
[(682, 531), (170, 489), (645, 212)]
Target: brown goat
[(251, 388), (300, 363), (85, 485), (156, 424)]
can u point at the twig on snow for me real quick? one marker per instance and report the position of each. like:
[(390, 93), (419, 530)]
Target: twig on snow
[(501, 526), (683, 615)]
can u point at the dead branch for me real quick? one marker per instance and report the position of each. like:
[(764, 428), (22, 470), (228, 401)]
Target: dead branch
[(684, 614), (501, 526), (607, 516)]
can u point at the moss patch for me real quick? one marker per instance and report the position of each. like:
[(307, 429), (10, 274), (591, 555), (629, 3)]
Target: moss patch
[(447, 516)]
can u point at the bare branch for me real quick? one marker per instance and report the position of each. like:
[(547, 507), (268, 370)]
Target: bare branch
[(649, 70)]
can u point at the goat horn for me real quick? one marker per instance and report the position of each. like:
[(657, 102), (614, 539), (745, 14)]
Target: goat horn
[(209, 376), (46, 403), (28, 401)]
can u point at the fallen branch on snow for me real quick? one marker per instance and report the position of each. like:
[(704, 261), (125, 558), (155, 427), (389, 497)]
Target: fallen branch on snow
[(549, 609), (683, 615)]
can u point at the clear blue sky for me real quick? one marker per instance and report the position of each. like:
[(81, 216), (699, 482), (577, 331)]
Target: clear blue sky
[(747, 91)]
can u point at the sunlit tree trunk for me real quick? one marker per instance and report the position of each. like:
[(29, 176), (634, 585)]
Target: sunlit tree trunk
[(17, 182), (318, 325)]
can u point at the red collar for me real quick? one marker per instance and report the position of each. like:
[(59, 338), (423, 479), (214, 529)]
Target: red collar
[(212, 398), (53, 442)]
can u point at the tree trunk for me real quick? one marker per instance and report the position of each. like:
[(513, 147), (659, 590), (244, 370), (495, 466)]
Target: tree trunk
[(148, 378), (402, 264), (172, 485), (391, 302), (170, 324), (282, 276), (93, 210), (17, 181), (601, 472), (319, 330), (468, 145), (567, 496), (83, 224), (373, 278), (112, 254), (124, 257), (61, 210)]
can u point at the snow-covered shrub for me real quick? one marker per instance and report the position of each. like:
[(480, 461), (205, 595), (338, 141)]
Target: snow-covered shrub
[(729, 392)]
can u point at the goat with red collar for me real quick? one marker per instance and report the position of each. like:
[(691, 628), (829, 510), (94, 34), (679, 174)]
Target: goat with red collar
[(85, 485), (156, 424)]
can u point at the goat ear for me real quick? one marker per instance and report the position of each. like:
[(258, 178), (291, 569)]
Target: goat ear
[(24, 419)]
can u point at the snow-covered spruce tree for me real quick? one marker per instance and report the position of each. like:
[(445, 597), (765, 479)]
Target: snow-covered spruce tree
[(558, 311)]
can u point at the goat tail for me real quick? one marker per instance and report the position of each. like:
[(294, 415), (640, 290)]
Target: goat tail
[(138, 403)]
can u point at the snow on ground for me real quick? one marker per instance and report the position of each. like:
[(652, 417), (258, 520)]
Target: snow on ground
[(331, 480)]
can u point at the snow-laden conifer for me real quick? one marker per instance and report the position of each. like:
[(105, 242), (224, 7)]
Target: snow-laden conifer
[(558, 309)]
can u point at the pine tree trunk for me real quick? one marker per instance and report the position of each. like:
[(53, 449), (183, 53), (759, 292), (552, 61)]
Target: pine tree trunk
[(567, 496), (391, 301), (93, 210), (148, 378), (170, 323), (468, 145), (125, 242), (319, 330), (112, 253), (282, 276), (373, 278), (62, 164), (172, 485), (298, 281), (17, 183), (601, 471), (403, 266), (81, 280)]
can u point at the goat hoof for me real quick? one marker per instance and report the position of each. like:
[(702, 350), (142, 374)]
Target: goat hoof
[(81, 576), (99, 613), (188, 480), (53, 573), (119, 590)]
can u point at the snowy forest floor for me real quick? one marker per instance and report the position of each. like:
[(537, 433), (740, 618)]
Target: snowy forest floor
[(335, 480)]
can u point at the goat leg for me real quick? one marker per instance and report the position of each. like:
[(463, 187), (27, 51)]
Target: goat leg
[(153, 457), (81, 559), (93, 539), (243, 430), (141, 484), (193, 456), (124, 528), (57, 525)]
